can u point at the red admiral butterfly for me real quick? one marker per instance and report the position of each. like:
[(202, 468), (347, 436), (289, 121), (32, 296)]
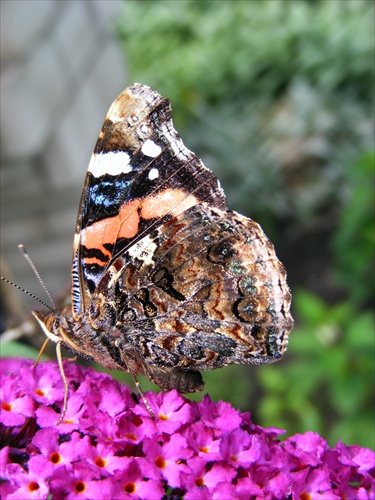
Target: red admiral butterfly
[(165, 280)]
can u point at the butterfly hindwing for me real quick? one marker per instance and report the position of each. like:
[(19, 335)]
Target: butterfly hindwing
[(201, 291)]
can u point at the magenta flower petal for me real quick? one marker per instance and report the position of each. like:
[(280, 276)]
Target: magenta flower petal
[(77, 482), (14, 412), (355, 456), (220, 492), (246, 488), (15, 405), (102, 456), (318, 482), (307, 449), (200, 475), (240, 448), (171, 410), (12, 365), (32, 483), (109, 446), (203, 441), (58, 452), (43, 383), (218, 415), (135, 430), (219, 474), (47, 417), (113, 399), (169, 458), (132, 483)]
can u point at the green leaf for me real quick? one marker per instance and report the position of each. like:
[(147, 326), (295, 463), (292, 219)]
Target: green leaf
[(18, 350)]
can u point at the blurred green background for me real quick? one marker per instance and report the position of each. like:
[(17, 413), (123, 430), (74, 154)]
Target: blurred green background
[(276, 97)]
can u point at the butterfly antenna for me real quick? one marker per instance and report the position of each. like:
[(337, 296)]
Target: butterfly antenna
[(28, 293), (28, 258)]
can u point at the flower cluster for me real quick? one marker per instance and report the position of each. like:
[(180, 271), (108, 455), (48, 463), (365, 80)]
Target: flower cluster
[(109, 446)]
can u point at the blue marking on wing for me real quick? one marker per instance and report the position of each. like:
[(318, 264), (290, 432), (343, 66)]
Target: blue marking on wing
[(109, 193), (104, 199)]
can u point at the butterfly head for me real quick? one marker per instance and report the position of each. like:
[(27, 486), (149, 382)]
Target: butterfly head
[(57, 328), (49, 324)]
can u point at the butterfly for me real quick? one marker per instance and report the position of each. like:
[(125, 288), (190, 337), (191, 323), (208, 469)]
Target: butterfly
[(166, 281)]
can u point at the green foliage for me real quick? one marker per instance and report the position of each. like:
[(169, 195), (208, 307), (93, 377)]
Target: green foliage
[(221, 49), (18, 350), (354, 241), (328, 384)]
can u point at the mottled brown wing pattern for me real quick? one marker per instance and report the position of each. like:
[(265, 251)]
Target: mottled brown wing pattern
[(202, 291)]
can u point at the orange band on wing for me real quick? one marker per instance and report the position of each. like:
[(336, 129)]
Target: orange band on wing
[(129, 219), (93, 260), (170, 200), (107, 231), (126, 223)]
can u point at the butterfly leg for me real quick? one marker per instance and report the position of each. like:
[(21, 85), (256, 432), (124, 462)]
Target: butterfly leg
[(65, 382)]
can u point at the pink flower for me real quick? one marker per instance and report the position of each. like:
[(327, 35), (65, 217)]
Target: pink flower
[(15, 405), (240, 448), (170, 457), (109, 446), (135, 482), (30, 483)]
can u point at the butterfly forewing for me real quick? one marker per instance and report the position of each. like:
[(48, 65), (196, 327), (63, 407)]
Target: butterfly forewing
[(140, 174)]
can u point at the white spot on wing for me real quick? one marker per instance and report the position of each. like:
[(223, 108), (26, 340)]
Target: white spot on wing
[(111, 163), (144, 129), (143, 250), (153, 174), (149, 148)]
